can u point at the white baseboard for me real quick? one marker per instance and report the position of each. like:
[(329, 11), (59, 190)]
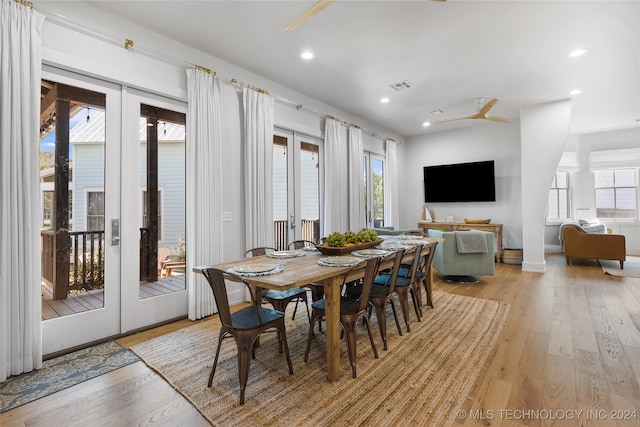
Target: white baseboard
[(534, 267)]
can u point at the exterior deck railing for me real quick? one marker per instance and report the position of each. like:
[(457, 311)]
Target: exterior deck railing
[(85, 262), (310, 231)]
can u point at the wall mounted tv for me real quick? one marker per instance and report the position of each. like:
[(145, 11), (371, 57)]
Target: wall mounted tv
[(460, 182)]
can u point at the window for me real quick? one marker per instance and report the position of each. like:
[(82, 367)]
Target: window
[(95, 211), (616, 193), (558, 202)]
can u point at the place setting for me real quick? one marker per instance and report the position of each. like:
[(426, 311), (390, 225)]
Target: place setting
[(390, 247), (370, 253), (293, 253), (339, 261), (254, 270)]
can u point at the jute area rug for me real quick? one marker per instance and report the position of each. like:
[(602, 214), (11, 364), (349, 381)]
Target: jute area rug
[(422, 378)]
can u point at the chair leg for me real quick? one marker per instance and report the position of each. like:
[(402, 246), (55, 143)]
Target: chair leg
[(295, 309), (245, 346), (395, 316), (373, 345), (314, 315), (381, 317), (215, 361), (283, 333), (427, 290), (404, 305), (349, 327), (417, 307)]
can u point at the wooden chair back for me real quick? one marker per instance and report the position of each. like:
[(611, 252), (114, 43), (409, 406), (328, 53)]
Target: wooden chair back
[(396, 268), (262, 250)]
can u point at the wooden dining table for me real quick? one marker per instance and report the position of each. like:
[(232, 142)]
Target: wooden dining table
[(303, 270)]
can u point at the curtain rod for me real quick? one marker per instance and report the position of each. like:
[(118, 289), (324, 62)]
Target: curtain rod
[(166, 58), (25, 3)]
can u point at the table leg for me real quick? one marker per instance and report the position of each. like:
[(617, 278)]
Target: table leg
[(332, 313), (429, 279)]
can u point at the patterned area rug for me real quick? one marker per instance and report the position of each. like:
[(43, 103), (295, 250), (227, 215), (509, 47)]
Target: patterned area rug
[(62, 372), (422, 379), (631, 267)]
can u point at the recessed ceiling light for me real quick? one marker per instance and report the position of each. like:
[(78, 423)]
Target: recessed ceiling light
[(575, 92), (426, 124), (577, 52), (306, 55), (384, 100)]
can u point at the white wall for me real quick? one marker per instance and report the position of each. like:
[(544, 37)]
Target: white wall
[(491, 141)]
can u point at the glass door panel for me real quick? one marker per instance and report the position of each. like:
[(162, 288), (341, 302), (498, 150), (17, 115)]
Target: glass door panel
[(154, 215), (309, 191), (374, 189), (80, 184)]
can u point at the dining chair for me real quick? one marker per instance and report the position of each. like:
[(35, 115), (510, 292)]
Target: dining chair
[(299, 244), (351, 310), (244, 325), (281, 299), (405, 286), (423, 276), (382, 295), (317, 291)]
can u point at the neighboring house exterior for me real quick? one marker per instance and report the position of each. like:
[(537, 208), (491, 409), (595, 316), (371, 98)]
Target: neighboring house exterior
[(87, 177)]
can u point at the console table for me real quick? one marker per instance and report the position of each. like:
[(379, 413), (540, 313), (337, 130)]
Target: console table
[(453, 226)]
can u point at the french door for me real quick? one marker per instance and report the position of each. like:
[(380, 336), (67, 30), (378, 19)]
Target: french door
[(374, 170), (153, 218), (113, 210), (80, 192), (297, 187)]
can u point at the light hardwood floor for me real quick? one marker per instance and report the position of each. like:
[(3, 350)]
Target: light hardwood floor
[(571, 343)]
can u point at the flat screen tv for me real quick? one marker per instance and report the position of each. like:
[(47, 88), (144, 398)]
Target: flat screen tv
[(460, 182)]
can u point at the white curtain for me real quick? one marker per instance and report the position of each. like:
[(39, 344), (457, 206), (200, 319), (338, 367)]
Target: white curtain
[(357, 220), (392, 196), (258, 168), (20, 272), (335, 179), (204, 187)]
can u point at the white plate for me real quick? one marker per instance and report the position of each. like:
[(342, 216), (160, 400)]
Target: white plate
[(284, 254), (254, 268), (310, 249), (369, 252), (391, 246), (340, 260)]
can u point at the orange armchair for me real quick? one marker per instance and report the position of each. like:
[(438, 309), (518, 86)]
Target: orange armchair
[(580, 244)]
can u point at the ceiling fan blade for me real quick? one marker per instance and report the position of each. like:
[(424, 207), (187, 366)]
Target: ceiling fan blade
[(473, 116), (319, 6), (486, 107), (498, 119)]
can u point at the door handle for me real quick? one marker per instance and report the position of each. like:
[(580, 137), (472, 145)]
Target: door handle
[(115, 232), (292, 221)]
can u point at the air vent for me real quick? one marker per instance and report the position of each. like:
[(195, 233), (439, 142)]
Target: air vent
[(401, 85), (436, 112)]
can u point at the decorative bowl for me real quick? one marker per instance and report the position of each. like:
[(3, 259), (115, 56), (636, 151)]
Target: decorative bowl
[(477, 221), (340, 250)]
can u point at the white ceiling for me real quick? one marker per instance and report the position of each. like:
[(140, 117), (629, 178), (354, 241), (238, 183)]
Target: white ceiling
[(450, 52)]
